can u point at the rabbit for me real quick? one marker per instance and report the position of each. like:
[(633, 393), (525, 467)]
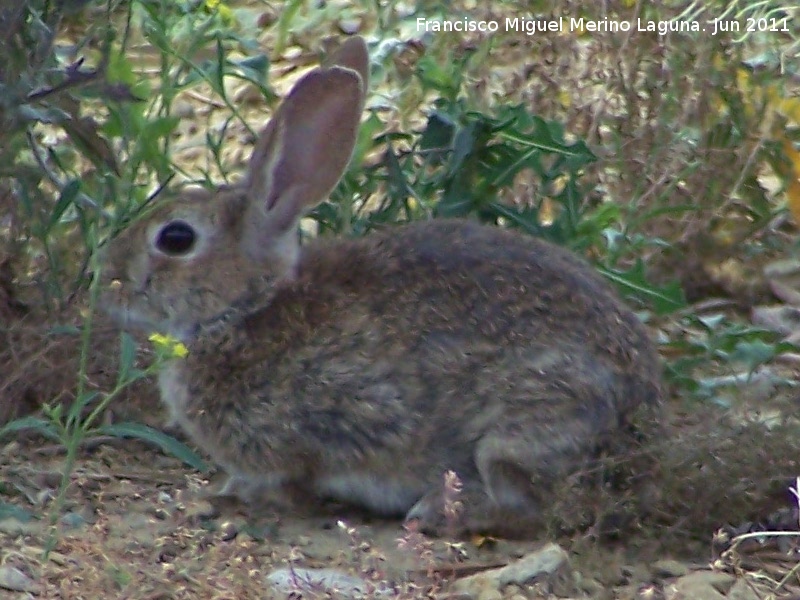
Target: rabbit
[(361, 370)]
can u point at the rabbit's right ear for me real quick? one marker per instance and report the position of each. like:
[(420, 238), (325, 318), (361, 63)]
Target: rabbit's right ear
[(352, 54), (303, 152)]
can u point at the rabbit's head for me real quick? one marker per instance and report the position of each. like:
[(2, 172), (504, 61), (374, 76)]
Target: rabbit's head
[(195, 258)]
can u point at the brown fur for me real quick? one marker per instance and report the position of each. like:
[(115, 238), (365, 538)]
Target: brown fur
[(362, 370)]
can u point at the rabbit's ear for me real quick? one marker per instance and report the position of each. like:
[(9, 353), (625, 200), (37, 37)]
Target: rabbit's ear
[(352, 54), (303, 152)]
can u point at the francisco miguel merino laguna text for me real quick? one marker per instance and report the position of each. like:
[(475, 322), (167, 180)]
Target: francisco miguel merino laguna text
[(534, 26)]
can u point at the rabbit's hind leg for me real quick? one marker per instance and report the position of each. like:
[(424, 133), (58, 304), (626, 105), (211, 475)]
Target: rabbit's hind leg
[(520, 466)]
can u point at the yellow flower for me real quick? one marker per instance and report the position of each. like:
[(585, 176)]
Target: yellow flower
[(222, 9), (170, 346)]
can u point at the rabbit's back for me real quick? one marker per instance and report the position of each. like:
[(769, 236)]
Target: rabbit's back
[(453, 287)]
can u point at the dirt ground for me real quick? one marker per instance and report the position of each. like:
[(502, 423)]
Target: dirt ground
[(138, 524)]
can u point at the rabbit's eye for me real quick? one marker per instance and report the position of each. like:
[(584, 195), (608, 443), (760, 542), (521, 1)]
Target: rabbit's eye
[(176, 238)]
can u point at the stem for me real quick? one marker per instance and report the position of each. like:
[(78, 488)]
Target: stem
[(73, 429)]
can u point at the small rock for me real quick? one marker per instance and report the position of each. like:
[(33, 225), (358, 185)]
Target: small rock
[(267, 18), (44, 496), (159, 513), (248, 93), (627, 592), (57, 558), (322, 581), (701, 585), (183, 109), (15, 580), (631, 573), (648, 591), (488, 594), (201, 510), (228, 531), (746, 590), (349, 26), (168, 552), (547, 561), (292, 53), (14, 528), (669, 568), (10, 449), (589, 586), (72, 520)]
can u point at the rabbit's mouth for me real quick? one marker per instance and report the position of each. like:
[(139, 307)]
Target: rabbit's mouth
[(131, 315)]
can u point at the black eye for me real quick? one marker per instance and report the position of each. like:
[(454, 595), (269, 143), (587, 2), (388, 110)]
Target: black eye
[(176, 238)]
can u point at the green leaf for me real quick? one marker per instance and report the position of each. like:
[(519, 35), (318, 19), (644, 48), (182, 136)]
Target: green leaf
[(79, 404), (68, 195), (753, 353), (711, 322), (158, 438), (664, 300), (254, 68), (11, 511), (127, 356), (161, 127), (438, 133), (433, 76), (64, 330), (50, 115), (397, 186), (37, 424)]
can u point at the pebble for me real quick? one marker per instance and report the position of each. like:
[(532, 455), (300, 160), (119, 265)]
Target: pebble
[(14, 528), (72, 520), (201, 510), (746, 590), (490, 595), (15, 580), (228, 531), (267, 18), (548, 560), (248, 93), (183, 109), (321, 581), (669, 568), (160, 513), (700, 585), (349, 26)]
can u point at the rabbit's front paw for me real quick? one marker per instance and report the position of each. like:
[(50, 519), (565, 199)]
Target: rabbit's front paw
[(452, 511)]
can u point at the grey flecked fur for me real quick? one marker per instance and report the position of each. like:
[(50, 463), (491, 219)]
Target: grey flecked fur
[(363, 369)]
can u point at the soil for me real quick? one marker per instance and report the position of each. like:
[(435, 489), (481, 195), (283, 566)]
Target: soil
[(138, 524)]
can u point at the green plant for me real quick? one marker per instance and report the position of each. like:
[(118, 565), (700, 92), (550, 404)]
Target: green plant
[(715, 339), (71, 196)]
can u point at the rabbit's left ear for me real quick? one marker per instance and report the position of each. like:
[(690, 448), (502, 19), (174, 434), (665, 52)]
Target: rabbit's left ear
[(304, 150)]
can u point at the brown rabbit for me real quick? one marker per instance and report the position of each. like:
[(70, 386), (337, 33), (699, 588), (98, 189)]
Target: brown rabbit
[(361, 370)]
